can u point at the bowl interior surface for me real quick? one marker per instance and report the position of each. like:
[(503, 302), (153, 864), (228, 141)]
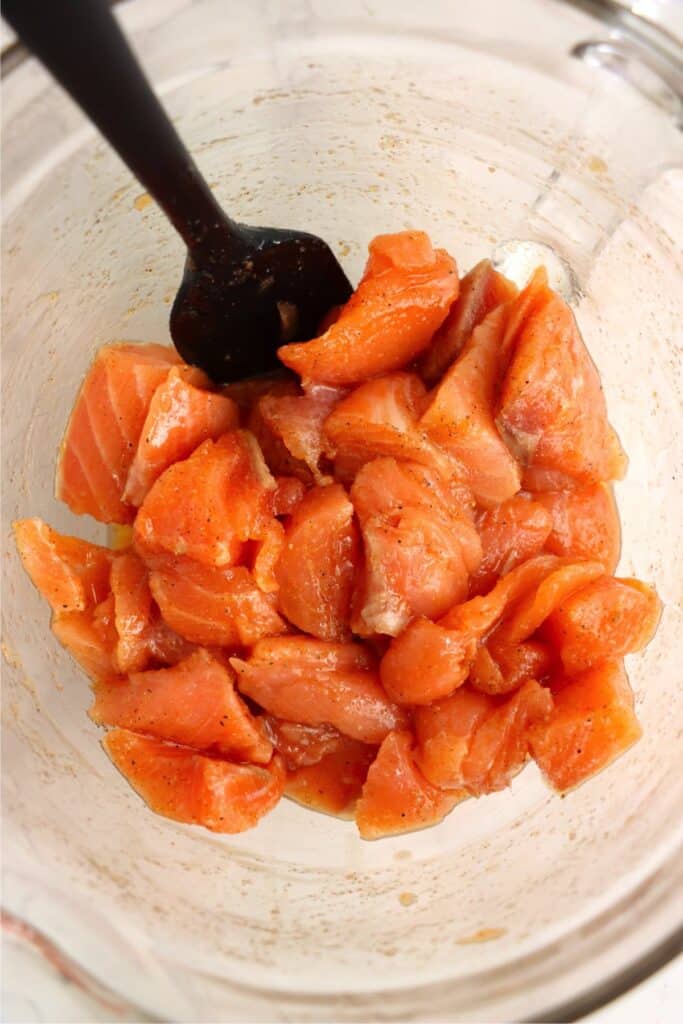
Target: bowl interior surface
[(477, 126)]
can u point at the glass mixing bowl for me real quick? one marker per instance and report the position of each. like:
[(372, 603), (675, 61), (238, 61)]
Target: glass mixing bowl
[(526, 128)]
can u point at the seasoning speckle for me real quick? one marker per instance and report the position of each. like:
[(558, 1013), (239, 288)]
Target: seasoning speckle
[(483, 935), (141, 201), (597, 165)]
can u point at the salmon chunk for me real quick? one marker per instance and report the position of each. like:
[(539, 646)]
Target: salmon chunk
[(481, 291), (301, 745), (315, 682), (429, 660), (133, 611), (460, 417), (603, 620), (405, 295), (71, 574), (380, 418), (510, 533), (501, 668), (477, 742), (194, 703), (296, 422), (90, 638), (316, 570), (591, 724), (213, 605), (192, 788), (208, 505), (420, 546), (585, 524), (182, 413), (396, 796), (334, 783), (105, 426), (552, 409)]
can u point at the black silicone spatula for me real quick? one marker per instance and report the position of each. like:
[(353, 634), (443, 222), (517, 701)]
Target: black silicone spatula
[(244, 290)]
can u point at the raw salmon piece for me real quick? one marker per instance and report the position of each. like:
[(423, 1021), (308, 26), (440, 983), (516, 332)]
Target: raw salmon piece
[(141, 637), (472, 389), (425, 663), (403, 250), (499, 747), (481, 291), (296, 421), (531, 659), (289, 492), (314, 682), (537, 480), (592, 723), (396, 796), (132, 612), (334, 783), (71, 574), (420, 547), (194, 789), (511, 533), (585, 524), (485, 675), (267, 553), (389, 319), (246, 393), (164, 645), (534, 609), (552, 409), (317, 566), (181, 414), (460, 415), (208, 505), (444, 731), (478, 616), (428, 661), (90, 638), (194, 703), (412, 566), (301, 745), (210, 605), (278, 458), (605, 619), (379, 418), (290, 652), (105, 425), (345, 468), (531, 298), (478, 742), (502, 668), (386, 483)]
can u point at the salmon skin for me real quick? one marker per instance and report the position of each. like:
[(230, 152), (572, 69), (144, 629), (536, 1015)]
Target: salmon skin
[(378, 582)]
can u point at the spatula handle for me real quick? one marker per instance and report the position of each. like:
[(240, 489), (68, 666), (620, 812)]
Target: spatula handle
[(81, 44)]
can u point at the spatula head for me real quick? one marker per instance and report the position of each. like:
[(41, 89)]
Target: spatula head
[(238, 303)]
